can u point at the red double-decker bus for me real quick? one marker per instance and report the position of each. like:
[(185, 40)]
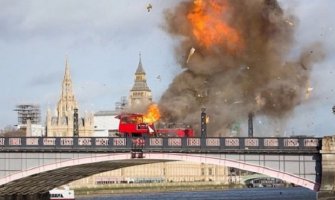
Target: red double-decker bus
[(133, 125)]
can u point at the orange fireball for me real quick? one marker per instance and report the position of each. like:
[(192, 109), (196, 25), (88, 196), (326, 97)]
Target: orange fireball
[(152, 114), (209, 27)]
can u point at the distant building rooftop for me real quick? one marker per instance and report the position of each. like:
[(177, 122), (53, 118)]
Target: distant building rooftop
[(106, 113)]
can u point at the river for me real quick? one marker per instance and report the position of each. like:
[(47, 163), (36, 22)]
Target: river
[(296, 193)]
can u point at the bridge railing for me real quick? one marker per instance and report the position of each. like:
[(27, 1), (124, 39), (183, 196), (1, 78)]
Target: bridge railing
[(118, 144)]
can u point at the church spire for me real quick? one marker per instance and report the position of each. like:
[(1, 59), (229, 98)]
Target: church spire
[(67, 69), (67, 82), (67, 102)]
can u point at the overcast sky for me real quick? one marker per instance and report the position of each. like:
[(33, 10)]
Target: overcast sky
[(102, 40)]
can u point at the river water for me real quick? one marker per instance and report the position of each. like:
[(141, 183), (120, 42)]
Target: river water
[(296, 193)]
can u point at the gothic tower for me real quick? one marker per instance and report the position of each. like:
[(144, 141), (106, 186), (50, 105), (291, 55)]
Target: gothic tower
[(67, 103), (62, 125), (140, 95)]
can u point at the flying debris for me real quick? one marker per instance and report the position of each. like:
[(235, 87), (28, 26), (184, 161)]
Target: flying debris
[(290, 23), (149, 7), (308, 92), (159, 77), (192, 50), (151, 130)]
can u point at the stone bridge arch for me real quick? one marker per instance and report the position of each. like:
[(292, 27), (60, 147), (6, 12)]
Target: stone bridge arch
[(43, 178)]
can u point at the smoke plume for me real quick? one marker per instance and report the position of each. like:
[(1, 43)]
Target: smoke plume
[(239, 63)]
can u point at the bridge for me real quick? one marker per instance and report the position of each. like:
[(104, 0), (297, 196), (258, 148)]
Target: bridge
[(31, 166)]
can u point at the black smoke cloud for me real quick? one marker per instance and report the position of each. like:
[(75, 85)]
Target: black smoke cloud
[(258, 79)]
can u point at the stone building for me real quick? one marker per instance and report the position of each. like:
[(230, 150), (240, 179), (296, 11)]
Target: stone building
[(62, 123), (172, 172), (140, 94)]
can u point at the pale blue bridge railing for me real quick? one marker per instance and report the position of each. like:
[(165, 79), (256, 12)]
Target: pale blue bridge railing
[(306, 145), (27, 159)]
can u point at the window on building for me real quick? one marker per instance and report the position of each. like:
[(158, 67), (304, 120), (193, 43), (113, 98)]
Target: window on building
[(202, 171), (210, 171)]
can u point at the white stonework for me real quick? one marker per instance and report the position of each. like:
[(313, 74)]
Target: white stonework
[(61, 125)]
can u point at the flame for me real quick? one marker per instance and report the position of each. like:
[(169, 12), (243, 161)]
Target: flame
[(209, 28), (152, 114)]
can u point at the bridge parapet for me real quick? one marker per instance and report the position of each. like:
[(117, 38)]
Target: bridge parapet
[(327, 190), (160, 144), (26, 159), (328, 144)]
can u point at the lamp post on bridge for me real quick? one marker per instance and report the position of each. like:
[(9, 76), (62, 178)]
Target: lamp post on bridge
[(203, 123), (75, 123)]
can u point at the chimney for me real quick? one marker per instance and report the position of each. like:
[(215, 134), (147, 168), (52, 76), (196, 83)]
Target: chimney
[(28, 128), (250, 125)]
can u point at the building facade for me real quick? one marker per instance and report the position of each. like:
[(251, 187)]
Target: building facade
[(64, 123), (172, 172), (140, 94)]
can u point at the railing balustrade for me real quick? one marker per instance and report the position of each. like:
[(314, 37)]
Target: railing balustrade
[(218, 144)]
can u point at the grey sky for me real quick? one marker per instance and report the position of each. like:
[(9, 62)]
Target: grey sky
[(102, 40)]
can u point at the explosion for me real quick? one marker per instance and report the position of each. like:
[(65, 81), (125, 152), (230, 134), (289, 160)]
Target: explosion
[(152, 114), (239, 63), (208, 28)]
